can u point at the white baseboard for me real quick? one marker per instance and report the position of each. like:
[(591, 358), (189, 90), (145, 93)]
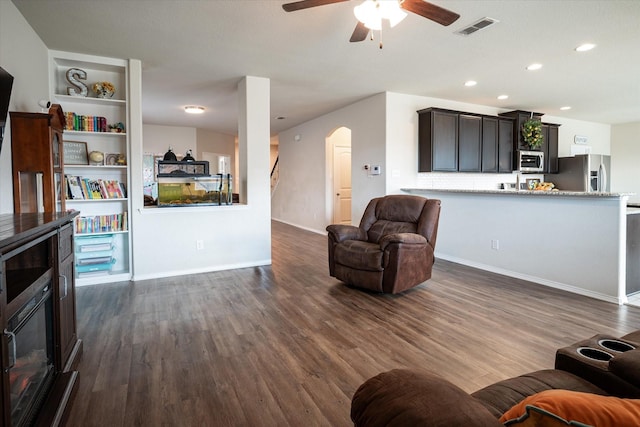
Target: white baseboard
[(175, 273), (323, 232), (534, 279)]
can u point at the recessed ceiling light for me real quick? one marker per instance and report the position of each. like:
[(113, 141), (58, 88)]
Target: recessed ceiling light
[(585, 47), (503, 96), (534, 67), (470, 83), (193, 109), (565, 108)]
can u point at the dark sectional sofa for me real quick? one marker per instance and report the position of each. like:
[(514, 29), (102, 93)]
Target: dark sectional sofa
[(601, 365)]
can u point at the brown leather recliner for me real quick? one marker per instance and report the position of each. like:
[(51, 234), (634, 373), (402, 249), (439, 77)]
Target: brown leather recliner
[(393, 248)]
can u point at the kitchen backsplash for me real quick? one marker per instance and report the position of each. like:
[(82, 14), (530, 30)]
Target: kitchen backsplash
[(470, 181)]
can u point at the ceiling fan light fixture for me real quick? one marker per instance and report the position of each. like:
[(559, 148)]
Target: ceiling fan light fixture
[(372, 12)]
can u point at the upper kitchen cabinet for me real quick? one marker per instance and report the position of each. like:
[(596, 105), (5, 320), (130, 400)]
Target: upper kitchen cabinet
[(455, 141), (437, 140), (519, 118), (550, 147), (497, 144), (469, 143)]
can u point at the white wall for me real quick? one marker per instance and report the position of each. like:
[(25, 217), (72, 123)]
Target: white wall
[(570, 243), (233, 236), (304, 194), (215, 142), (385, 132), (158, 139), (625, 159), (31, 82)]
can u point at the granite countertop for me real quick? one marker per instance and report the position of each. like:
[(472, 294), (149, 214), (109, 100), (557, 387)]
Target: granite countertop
[(553, 193)]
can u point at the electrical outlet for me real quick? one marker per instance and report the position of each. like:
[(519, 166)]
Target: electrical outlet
[(495, 244), (199, 245)]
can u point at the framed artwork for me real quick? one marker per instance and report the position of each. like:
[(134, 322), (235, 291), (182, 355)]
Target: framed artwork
[(115, 159), (75, 153)]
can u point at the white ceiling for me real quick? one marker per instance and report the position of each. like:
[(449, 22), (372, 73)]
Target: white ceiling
[(196, 51)]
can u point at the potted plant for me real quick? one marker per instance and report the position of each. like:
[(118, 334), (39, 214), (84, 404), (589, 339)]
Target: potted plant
[(532, 133)]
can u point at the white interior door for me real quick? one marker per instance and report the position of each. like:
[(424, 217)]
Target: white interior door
[(342, 185)]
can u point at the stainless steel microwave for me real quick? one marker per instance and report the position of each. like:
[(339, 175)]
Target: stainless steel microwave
[(530, 161)]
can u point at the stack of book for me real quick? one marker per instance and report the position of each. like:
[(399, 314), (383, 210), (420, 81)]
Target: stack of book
[(79, 188), (101, 223), (82, 123), (94, 255)]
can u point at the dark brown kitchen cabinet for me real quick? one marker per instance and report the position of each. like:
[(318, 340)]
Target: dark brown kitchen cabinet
[(437, 140), (505, 145), (497, 144), (489, 144), (469, 143), (550, 147)]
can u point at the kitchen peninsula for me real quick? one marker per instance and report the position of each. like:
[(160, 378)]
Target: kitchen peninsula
[(575, 241)]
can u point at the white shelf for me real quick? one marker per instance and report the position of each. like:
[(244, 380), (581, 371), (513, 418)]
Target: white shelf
[(90, 100), (82, 132), (113, 199), (96, 168), (114, 110), (101, 233)]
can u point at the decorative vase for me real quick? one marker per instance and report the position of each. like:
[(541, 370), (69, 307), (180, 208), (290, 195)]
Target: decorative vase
[(105, 93)]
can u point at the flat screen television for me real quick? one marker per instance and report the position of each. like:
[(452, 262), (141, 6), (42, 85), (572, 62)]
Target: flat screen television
[(6, 83)]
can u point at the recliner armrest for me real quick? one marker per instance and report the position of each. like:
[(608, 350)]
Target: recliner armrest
[(408, 238), (402, 397), (627, 366), (342, 232)]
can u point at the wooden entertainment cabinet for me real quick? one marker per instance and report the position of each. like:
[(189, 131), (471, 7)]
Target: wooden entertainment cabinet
[(37, 287)]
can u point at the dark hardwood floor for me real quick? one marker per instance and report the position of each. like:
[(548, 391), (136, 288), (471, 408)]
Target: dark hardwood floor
[(289, 345)]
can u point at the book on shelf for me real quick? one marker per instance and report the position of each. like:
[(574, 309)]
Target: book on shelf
[(85, 123), (80, 188), (101, 223)]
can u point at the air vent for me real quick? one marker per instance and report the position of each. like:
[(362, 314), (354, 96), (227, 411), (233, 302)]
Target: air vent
[(477, 26)]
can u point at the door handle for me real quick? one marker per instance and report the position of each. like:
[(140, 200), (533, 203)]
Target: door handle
[(337, 194)]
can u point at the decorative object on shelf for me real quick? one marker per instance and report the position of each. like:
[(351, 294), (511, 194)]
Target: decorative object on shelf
[(96, 158), (73, 77), (170, 156), (115, 159), (104, 89), (117, 127), (532, 133), (532, 183), (189, 157), (75, 153)]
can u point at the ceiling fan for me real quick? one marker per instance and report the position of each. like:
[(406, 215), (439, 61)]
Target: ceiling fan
[(420, 7)]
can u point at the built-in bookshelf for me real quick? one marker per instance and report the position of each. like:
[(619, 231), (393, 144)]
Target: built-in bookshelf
[(97, 177)]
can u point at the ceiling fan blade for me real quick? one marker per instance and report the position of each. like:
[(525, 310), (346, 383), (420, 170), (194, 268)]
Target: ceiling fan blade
[(360, 33), (430, 11), (306, 4)]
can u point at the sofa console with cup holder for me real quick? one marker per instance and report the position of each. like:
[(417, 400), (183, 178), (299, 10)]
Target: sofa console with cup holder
[(606, 362), (595, 382)]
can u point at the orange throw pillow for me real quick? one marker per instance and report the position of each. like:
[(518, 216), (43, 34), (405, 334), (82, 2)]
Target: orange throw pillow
[(551, 408)]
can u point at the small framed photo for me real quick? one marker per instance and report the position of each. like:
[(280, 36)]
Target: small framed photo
[(115, 159), (75, 153), (532, 183)]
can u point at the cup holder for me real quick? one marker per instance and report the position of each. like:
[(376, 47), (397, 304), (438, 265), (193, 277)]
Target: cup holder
[(615, 345), (594, 354)]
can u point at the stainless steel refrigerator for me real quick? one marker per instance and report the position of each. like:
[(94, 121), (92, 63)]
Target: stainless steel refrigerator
[(583, 172)]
